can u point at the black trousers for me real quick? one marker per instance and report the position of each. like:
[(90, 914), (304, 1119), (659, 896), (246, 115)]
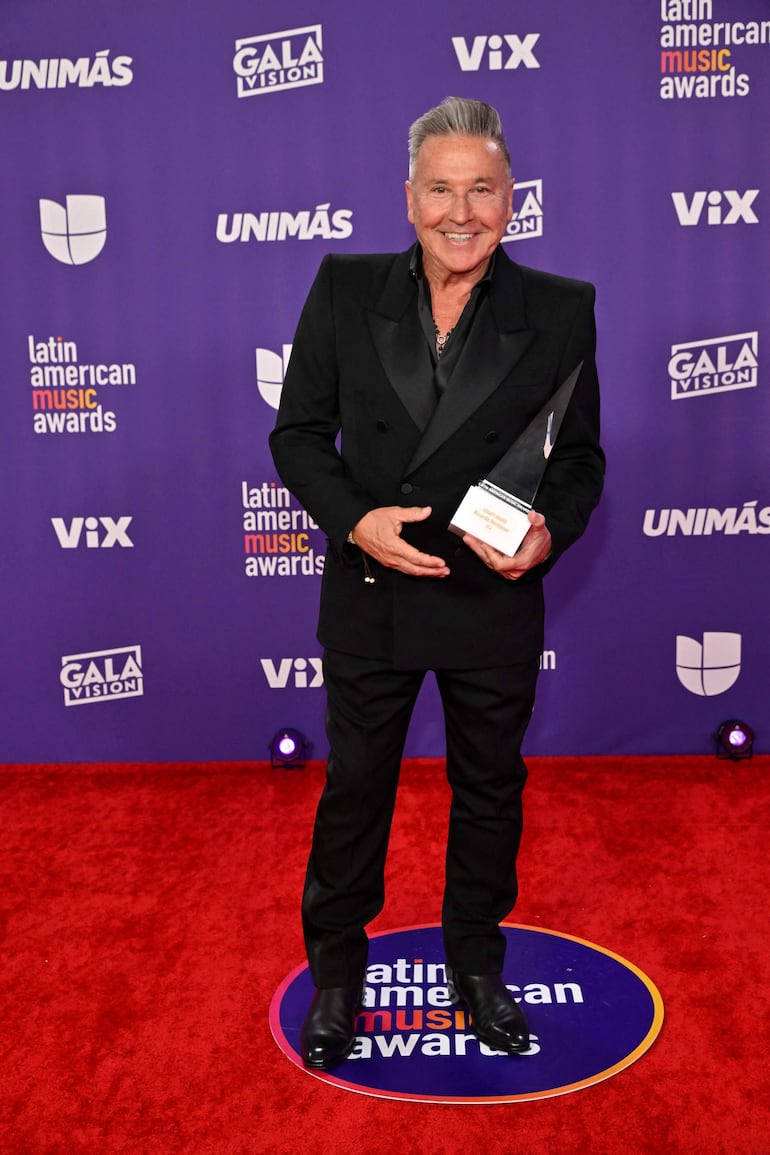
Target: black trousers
[(486, 714)]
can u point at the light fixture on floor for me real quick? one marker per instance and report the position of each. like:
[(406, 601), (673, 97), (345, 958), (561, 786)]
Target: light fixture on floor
[(735, 740), (288, 749)]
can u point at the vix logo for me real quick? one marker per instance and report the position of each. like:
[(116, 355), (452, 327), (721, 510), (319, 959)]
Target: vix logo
[(74, 234), (711, 667), (271, 369), (724, 208), (296, 669), (519, 51), (101, 532)]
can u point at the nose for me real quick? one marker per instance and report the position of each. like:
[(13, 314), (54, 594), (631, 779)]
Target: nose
[(460, 209)]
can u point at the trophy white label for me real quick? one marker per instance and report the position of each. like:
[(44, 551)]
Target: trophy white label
[(493, 516)]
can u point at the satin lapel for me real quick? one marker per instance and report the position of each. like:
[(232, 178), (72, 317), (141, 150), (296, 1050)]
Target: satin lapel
[(404, 354), (497, 341), (398, 337)]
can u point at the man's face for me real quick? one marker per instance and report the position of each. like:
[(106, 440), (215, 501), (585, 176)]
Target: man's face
[(459, 200)]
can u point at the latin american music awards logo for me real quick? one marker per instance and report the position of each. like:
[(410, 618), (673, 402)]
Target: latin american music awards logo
[(591, 1014)]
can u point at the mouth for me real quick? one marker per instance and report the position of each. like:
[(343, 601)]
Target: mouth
[(460, 237)]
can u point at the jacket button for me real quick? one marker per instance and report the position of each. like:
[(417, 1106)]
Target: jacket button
[(491, 436), (406, 487), (382, 427)]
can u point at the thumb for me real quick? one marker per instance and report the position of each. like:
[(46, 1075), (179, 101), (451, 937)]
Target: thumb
[(414, 512)]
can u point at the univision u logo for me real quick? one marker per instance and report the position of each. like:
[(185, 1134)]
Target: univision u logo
[(711, 667), (74, 234)]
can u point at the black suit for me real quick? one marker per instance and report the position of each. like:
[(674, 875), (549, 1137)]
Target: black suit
[(361, 363)]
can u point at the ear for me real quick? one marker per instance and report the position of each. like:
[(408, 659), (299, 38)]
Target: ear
[(511, 183), (409, 208)]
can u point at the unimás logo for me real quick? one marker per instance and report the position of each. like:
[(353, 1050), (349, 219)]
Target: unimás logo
[(277, 225), (527, 219), (497, 53), (74, 233), (723, 207), (102, 676), (704, 521), (66, 391), (276, 61), (100, 532), (711, 666), (294, 673), (60, 72), (715, 365), (271, 370), (280, 538)]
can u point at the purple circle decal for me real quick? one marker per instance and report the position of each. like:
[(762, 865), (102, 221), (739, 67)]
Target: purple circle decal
[(591, 1014)]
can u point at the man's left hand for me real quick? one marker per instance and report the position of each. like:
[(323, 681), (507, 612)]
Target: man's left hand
[(533, 550)]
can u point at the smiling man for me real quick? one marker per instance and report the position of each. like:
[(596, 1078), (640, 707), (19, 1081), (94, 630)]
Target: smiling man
[(429, 364), (459, 198)]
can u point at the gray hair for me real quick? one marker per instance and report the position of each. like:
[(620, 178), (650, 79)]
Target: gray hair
[(463, 117)]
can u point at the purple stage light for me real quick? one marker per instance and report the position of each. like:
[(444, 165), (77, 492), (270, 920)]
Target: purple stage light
[(288, 749), (734, 740)]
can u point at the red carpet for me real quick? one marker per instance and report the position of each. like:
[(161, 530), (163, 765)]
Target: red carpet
[(148, 914)]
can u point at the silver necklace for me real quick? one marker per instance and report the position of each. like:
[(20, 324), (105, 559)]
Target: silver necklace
[(441, 339)]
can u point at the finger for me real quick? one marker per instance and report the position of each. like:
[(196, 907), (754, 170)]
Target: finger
[(408, 555), (421, 571), (417, 570), (499, 562), (412, 512), (488, 554)]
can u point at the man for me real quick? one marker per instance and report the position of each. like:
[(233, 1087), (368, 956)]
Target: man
[(430, 363)]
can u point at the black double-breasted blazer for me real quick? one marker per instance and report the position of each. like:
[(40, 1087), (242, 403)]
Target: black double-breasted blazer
[(355, 432)]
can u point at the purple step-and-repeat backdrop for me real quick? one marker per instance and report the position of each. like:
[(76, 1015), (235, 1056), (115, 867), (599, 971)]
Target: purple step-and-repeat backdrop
[(173, 174)]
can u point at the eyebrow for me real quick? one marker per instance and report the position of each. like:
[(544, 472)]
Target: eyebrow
[(446, 180)]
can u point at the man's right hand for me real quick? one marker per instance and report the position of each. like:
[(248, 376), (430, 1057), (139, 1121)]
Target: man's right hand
[(378, 534)]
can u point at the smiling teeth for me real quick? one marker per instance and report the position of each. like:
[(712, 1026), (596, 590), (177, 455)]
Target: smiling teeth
[(459, 236)]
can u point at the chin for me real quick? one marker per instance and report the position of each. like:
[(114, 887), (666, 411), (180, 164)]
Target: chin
[(470, 254), (466, 264)]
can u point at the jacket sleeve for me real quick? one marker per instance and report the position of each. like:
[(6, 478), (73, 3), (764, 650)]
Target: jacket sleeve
[(304, 440)]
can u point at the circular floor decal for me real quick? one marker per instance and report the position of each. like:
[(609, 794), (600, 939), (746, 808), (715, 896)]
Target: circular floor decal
[(591, 1014)]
